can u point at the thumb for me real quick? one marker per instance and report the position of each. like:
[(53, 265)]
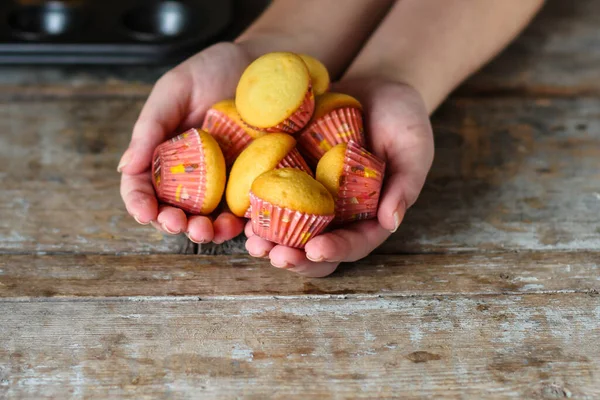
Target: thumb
[(409, 160)]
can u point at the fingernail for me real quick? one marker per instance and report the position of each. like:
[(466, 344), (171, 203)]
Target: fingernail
[(315, 259), (166, 229), (283, 266), (218, 241), (137, 219), (193, 240), (398, 216), (126, 159), (257, 255)]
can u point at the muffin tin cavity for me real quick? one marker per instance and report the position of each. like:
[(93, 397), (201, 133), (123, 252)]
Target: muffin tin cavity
[(160, 20), (53, 18), (110, 31)]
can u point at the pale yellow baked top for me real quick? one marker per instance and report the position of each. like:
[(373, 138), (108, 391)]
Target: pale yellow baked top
[(262, 155), (294, 189), (319, 75), (271, 89), (331, 167), (329, 101), (215, 172)]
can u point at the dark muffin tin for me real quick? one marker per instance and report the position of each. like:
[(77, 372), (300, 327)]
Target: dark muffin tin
[(110, 31)]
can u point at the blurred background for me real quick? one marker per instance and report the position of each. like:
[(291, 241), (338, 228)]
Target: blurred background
[(127, 39)]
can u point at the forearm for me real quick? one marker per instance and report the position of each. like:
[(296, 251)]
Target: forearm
[(331, 30), (433, 45)]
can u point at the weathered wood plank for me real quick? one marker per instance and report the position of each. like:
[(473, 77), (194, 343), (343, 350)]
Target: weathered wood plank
[(558, 54), (208, 277), (60, 188), (505, 176), (531, 346), (509, 174)]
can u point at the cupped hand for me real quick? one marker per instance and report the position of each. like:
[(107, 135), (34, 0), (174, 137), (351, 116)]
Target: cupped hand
[(398, 130), (178, 102)]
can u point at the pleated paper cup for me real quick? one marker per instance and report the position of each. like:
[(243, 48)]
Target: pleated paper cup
[(179, 172), (299, 118), (232, 137), (293, 159), (360, 185), (283, 225), (340, 125)]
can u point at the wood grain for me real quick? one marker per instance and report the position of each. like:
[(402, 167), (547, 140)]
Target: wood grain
[(207, 277), (530, 346), (60, 188), (557, 55), (509, 173), (504, 177)]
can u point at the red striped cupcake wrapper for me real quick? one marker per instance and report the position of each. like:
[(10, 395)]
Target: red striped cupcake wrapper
[(179, 172), (341, 125), (232, 138), (298, 120), (360, 185), (284, 226), (293, 159)]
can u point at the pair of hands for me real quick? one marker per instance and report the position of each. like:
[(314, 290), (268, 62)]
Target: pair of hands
[(397, 127)]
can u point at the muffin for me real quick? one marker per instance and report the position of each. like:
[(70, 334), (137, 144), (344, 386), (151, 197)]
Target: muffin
[(223, 122), (337, 119), (189, 172), (354, 177), (319, 76), (275, 150), (275, 93), (289, 207)]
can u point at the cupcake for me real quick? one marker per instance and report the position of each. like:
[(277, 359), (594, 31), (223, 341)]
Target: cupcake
[(354, 177), (337, 119), (275, 93), (189, 172), (289, 207), (223, 122), (272, 151), (319, 76)]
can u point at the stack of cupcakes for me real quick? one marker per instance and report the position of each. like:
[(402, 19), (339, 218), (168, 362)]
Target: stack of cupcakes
[(282, 124)]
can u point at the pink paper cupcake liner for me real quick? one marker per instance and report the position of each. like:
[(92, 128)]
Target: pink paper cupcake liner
[(360, 185), (179, 172), (298, 120), (293, 159), (341, 125), (284, 226), (231, 137)]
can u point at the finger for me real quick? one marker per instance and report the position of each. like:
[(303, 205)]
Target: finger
[(410, 153), (200, 229), (248, 229), (347, 245), (172, 220), (162, 113), (180, 99), (226, 227), (258, 247), (138, 194), (295, 260)]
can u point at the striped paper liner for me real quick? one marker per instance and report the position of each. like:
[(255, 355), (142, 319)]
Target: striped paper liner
[(232, 138), (179, 172), (360, 185), (284, 226), (341, 125), (298, 120)]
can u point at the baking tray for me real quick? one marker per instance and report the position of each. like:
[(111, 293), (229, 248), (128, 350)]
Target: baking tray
[(109, 31)]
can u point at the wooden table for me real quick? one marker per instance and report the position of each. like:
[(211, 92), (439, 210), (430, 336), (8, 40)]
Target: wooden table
[(489, 289)]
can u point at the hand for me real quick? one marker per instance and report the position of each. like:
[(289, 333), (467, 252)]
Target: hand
[(398, 130), (178, 102)]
